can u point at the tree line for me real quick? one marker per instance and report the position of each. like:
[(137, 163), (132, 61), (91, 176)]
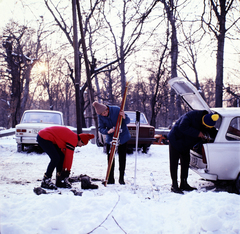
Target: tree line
[(36, 74)]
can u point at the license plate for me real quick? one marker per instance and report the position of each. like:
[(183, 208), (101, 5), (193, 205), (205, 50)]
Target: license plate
[(133, 133)]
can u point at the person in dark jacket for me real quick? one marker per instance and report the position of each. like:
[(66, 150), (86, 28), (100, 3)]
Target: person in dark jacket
[(185, 134), (59, 143), (107, 119)]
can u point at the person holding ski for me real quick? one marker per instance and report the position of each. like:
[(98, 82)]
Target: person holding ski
[(189, 130), (107, 119), (59, 143)]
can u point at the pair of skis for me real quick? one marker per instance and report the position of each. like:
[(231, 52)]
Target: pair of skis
[(116, 134)]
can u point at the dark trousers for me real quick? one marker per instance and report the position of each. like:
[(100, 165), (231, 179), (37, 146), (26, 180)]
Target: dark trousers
[(174, 157), (55, 154), (122, 152)]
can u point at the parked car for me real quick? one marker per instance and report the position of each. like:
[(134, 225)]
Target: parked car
[(219, 159), (32, 122), (145, 137)]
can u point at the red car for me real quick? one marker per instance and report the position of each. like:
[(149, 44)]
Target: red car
[(145, 136)]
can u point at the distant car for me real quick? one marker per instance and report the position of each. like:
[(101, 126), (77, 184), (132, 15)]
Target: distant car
[(146, 132), (218, 159), (32, 122), (145, 137)]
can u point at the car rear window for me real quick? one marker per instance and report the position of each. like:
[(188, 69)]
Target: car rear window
[(233, 133), (41, 117), (132, 116)]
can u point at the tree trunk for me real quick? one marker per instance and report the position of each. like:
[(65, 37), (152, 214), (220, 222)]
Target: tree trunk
[(220, 54)]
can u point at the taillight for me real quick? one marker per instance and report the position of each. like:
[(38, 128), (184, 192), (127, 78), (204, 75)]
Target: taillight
[(151, 132), (204, 159), (21, 130)]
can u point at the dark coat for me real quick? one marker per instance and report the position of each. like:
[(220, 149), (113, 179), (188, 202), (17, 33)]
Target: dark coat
[(184, 134), (107, 122)]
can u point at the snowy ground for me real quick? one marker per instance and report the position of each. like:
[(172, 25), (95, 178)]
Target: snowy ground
[(113, 209)]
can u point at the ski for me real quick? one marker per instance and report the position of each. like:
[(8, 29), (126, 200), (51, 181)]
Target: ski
[(116, 136), (39, 190), (85, 180)]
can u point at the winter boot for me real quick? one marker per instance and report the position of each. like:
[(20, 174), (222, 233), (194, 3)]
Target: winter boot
[(47, 183), (185, 186), (62, 179), (175, 188), (121, 178), (86, 183)]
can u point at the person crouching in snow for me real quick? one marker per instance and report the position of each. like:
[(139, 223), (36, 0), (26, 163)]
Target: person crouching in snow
[(59, 143)]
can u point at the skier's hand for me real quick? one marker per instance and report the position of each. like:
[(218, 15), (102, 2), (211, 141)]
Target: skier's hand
[(111, 130), (122, 114), (201, 135)]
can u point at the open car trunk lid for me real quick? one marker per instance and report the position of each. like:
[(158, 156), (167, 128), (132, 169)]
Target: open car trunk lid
[(189, 94)]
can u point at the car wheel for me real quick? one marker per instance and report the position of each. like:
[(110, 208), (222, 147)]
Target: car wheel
[(237, 184), (20, 147)]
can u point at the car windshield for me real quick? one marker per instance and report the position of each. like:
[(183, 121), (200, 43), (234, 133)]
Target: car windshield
[(132, 116), (41, 117)]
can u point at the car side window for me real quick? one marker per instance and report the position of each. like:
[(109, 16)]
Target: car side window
[(233, 132)]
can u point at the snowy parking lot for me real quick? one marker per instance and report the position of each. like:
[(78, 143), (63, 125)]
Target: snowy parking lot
[(143, 208)]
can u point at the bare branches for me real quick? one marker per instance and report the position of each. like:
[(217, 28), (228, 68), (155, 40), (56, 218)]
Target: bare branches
[(63, 26)]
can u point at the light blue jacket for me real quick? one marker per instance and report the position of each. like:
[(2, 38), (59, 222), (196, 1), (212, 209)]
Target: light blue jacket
[(107, 122)]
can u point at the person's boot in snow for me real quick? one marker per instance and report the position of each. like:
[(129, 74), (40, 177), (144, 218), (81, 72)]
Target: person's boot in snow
[(86, 183), (62, 179), (185, 186), (47, 183), (176, 189), (121, 178)]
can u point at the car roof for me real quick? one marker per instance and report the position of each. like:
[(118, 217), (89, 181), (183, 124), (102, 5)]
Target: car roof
[(227, 111), (51, 111)]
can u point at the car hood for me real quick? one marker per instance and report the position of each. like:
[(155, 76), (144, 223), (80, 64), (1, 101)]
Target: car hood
[(189, 94)]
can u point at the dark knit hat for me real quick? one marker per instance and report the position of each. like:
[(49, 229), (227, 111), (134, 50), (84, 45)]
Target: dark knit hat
[(99, 108), (210, 120), (85, 137)]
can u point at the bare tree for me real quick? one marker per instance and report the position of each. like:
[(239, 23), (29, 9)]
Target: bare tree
[(21, 54), (170, 7), (131, 12), (220, 9)]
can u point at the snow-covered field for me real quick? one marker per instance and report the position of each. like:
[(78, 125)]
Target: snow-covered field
[(113, 209)]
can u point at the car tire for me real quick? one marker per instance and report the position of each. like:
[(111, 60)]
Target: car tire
[(20, 147), (237, 184)]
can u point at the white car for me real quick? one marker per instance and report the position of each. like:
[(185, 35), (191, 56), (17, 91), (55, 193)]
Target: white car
[(219, 160), (32, 122)]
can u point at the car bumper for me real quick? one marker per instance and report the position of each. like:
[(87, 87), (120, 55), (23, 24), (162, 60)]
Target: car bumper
[(203, 173), (26, 140), (141, 141)]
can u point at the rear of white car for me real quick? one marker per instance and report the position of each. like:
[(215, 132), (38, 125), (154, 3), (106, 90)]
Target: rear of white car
[(32, 122), (220, 158)]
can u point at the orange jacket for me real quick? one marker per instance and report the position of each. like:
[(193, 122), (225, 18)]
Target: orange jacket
[(65, 139)]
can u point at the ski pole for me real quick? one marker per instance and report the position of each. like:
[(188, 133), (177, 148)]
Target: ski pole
[(137, 133)]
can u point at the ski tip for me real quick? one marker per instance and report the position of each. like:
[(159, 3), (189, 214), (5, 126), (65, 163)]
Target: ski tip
[(127, 82)]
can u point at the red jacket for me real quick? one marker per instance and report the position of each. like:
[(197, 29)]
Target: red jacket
[(65, 139)]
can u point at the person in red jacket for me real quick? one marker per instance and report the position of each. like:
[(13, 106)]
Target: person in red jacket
[(59, 143)]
